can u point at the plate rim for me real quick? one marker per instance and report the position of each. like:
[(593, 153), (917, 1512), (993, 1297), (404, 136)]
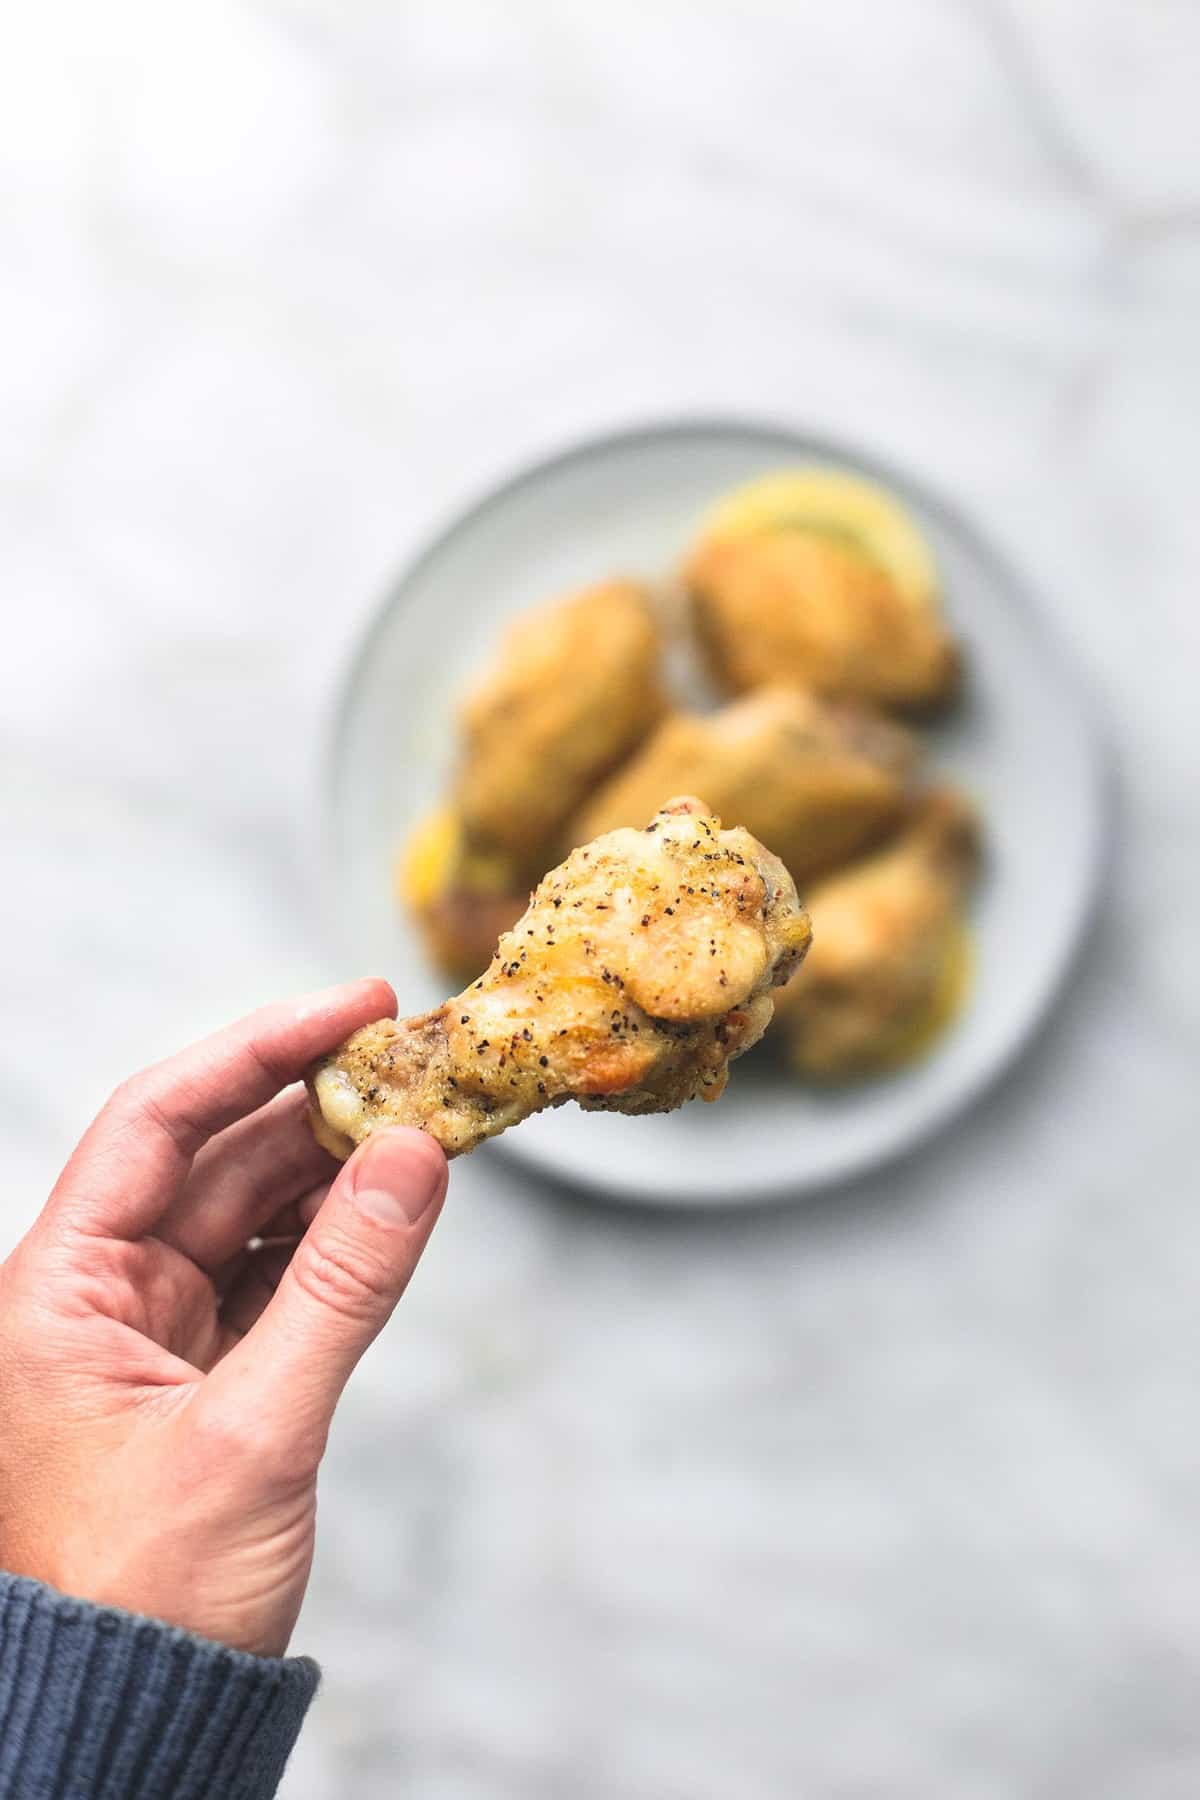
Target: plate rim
[(1024, 596)]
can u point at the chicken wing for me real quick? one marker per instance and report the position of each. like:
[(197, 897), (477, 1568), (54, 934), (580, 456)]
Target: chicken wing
[(820, 577), (643, 965), (575, 689), (789, 606), (816, 780), (890, 963)]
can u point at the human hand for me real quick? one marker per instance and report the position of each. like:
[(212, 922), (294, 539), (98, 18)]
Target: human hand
[(166, 1390)]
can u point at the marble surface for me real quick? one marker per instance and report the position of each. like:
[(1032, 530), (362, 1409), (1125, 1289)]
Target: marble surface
[(895, 1495)]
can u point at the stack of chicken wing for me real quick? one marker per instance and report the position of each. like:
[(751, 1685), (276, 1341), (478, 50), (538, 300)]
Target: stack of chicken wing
[(811, 603)]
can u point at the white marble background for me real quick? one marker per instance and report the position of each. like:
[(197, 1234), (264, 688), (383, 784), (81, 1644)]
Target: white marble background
[(896, 1495)]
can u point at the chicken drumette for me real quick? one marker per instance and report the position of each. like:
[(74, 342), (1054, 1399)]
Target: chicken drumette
[(816, 780), (890, 963), (796, 606), (575, 688), (642, 966), (820, 577)]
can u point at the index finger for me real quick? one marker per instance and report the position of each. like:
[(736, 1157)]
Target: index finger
[(133, 1158)]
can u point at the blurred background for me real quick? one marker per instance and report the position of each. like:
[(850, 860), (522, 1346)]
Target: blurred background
[(894, 1494)]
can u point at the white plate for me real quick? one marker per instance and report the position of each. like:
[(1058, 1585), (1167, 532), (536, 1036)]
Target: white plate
[(1024, 743)]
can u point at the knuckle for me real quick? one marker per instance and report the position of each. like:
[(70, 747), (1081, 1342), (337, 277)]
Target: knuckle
[(148, 1098), (343, 1277), (128, 1098), (134, 1100), (272, 1070)]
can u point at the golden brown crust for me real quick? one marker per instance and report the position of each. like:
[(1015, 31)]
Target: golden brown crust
[(890, 959), (576, 687), (642, 966), (789, 605), (817, 780)]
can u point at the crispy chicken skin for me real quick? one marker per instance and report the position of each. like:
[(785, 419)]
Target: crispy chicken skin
[(797, 605), (576, 687), (642, 966), (890, 960), (817, 780)]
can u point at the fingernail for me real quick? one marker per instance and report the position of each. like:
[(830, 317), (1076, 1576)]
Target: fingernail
[(397, 1176)]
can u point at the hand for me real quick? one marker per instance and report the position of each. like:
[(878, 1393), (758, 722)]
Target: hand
[(177, 1328)]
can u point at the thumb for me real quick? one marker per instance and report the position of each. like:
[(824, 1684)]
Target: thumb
[(340, 1288)]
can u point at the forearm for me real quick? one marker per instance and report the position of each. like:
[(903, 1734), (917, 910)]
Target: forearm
[(104, 1704)]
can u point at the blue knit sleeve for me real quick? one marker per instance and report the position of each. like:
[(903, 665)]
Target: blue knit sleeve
[(97, 1704)]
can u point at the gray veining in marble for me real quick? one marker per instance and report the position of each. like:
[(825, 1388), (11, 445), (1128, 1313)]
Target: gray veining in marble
[(896, 1496)]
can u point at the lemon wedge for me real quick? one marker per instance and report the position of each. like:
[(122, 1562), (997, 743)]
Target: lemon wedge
[(857, 513)]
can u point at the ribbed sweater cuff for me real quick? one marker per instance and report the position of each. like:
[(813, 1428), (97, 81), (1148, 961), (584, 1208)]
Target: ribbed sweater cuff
[(99, 1704)]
